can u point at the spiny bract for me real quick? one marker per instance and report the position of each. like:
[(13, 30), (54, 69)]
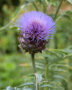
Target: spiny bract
[(36, 28)]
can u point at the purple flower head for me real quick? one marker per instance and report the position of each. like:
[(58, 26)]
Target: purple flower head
[(36, 28)]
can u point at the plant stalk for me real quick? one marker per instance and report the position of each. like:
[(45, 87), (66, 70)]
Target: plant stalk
[(47, 73), (35, 73), (34, 4), (33, 63), (58, 9)]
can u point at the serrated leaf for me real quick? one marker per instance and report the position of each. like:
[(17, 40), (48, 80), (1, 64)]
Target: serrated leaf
[(10, 88), (59, 77), (27, 89), (58, 67), (46, 85), (31, 1), (26, 84)]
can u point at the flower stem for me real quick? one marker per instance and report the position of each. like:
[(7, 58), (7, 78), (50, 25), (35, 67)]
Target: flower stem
[(44, 6), (34, 4), (33, 62), (57, 10), (47, 72), (35, 73)]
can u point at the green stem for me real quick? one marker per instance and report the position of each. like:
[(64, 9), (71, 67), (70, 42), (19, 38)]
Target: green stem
[(44, 6), (37, 82), (57, 10), (34, 4), (33, 63), (47, 72), (35, 73)]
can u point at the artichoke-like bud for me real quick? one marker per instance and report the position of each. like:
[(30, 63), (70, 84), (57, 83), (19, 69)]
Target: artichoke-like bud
[(36, 28)]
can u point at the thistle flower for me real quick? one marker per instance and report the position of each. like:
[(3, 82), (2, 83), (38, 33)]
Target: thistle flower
[(36, 28)]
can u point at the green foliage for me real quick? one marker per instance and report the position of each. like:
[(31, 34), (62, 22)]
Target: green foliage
[(54, 65)]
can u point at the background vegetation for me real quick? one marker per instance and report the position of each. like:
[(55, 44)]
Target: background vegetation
[(54, 65)]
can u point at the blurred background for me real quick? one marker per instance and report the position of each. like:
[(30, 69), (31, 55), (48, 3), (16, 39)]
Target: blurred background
[(15, 64)]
